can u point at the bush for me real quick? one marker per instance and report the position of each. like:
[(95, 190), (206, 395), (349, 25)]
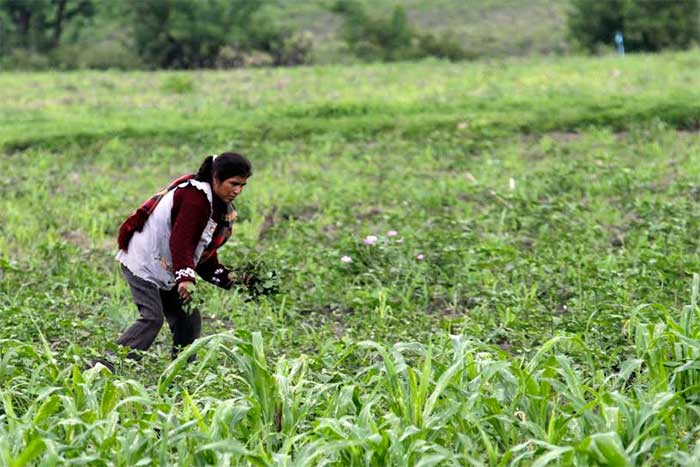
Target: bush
[(294, 49), (216, 33), (646, 25), (391, 39), (23, 59), (375, 39), (189, 34), (444, 46), (286, 48)]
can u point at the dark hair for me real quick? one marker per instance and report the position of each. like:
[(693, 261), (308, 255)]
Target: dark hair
[(223, 166)]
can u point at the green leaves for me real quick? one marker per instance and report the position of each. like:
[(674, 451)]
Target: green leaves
[(605, 449), (35, 447), (453, 401)]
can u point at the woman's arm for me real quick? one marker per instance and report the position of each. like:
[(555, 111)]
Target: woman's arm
[(189, 217), (214, 272)]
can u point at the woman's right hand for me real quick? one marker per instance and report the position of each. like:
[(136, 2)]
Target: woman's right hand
[(185, 290)]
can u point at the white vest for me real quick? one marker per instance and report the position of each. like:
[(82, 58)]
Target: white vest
[(149, 254)]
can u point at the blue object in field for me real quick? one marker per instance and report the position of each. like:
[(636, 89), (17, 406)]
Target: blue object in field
[(619, 43)]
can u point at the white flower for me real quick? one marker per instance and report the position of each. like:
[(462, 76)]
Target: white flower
[(392, 233), (370, 240), (420, 256), (345, 259)]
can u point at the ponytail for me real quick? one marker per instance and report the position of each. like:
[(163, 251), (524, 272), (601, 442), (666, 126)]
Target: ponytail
[(206, 170)]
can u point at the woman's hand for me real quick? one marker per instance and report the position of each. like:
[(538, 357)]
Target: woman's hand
[(185, 290)]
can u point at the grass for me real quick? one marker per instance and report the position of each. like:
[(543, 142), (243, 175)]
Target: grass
[(552, 319), (491, 97)]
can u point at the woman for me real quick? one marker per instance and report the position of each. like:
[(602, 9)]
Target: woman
[(170, 237)]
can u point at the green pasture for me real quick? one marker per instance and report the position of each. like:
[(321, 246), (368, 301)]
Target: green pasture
[(538, 305)]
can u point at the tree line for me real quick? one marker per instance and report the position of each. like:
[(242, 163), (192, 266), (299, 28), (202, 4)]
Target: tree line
[(188, 34)]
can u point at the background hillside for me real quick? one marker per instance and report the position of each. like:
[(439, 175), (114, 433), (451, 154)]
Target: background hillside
[(488, 28), (222, 34)]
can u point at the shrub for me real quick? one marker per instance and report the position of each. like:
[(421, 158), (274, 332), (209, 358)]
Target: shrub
[(375, 39), (294, 49), (286, 48), (444, 46), (24, 59), (393, 38), (189, 34)]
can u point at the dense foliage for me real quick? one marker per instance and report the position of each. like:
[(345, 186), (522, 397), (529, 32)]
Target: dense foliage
[(38, 25), (145, 33), (176, 34), (186, 34), (647, 26), (492, 264)]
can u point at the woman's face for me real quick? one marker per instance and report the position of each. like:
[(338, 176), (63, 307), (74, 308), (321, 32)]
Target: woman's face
[(229, 188)]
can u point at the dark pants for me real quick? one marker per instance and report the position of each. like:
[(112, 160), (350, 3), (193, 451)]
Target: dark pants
[(154, 306)]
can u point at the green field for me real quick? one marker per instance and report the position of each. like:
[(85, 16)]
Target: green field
[(538, 306)]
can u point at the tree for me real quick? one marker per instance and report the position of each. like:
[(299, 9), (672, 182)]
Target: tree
[(654, 26), (647, 25), (190, 33), (38, 25)]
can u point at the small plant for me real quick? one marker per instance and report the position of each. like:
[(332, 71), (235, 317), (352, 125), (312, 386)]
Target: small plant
[(177, 84)]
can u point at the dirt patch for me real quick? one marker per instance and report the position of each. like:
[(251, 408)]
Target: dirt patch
[(331, 231), (618, 232), (564, 136), (369, 213), (305, 213), (447, 307), (73, 179), (331, 315), (77, 238), (269, 221)]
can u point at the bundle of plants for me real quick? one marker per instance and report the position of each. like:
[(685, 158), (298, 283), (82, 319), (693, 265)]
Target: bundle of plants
[(255, 278)]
